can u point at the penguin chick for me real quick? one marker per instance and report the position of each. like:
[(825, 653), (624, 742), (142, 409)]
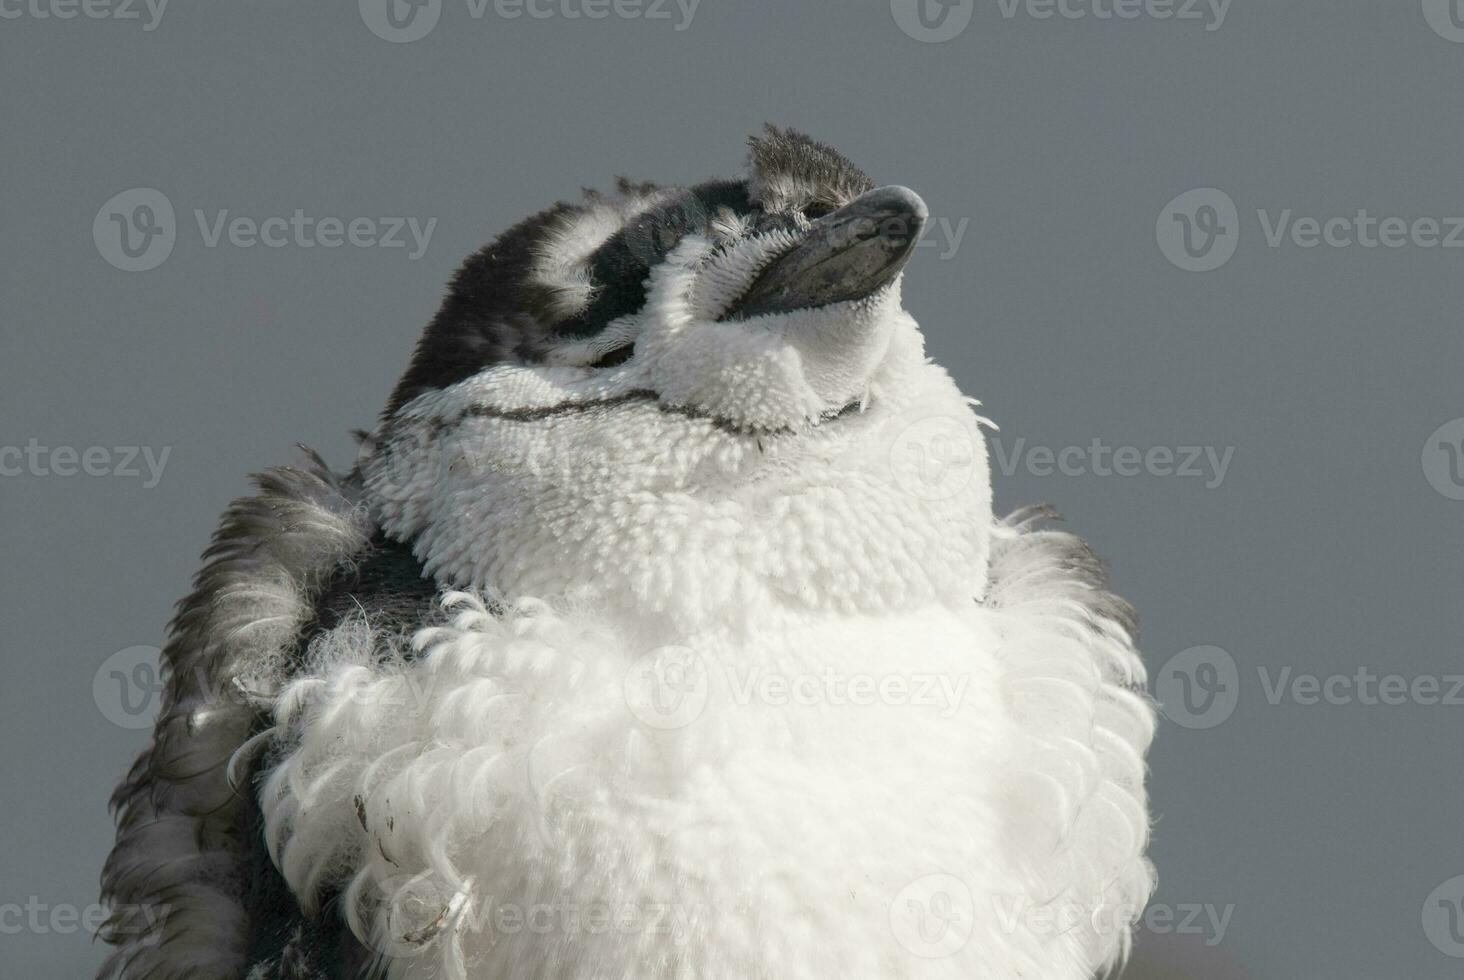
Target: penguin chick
[(663, 629)]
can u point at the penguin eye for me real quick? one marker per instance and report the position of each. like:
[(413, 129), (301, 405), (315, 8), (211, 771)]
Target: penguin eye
[(817, 210), (613, 357)]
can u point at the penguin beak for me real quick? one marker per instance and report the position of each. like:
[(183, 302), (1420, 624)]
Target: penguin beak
[(846, 255)]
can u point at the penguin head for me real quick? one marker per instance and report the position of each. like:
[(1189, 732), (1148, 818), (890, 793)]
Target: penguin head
[(713, 385), (763, 303)]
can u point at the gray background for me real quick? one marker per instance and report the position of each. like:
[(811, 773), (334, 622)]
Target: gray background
[(1325, 547)]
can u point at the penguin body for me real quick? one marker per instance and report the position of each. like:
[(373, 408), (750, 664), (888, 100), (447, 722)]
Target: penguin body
[(663, 630)]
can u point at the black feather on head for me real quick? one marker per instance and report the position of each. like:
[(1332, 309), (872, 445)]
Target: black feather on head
[(563, 274)]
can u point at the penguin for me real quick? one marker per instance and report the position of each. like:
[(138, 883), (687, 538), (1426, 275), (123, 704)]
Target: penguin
[(662, 629)]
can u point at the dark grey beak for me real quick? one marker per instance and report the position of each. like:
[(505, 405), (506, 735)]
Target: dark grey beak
[(846, 255)]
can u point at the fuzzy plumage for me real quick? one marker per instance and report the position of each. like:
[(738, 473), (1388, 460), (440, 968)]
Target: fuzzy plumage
[(178, 849), (791, 172), (646, 521), (503, 771)]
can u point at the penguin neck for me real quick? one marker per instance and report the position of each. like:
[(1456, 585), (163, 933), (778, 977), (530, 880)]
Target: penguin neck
[(606, 498)]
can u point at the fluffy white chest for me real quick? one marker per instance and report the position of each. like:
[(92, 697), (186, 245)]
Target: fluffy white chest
[(540, 796)]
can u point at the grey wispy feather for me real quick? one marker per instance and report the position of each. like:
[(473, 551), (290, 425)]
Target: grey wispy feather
[(175, 879)]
